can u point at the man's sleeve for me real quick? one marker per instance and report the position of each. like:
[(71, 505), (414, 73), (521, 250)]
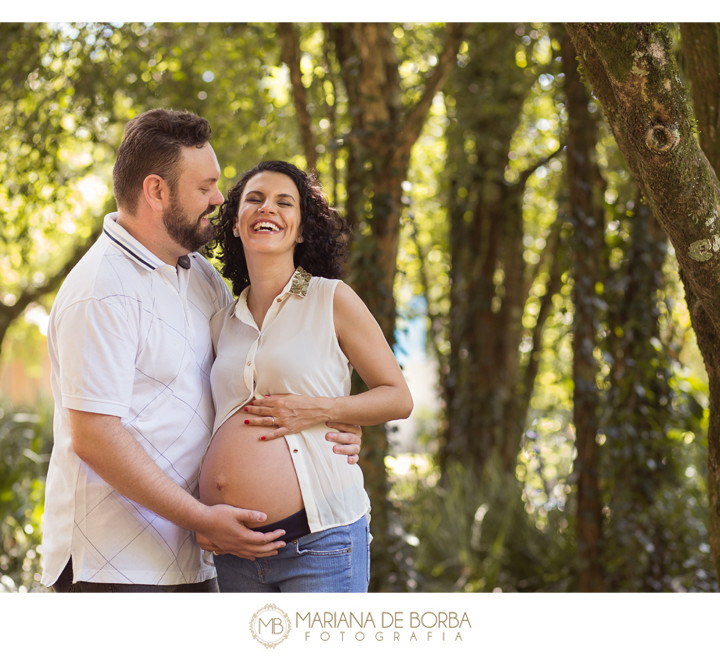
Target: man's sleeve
[(97, 346)]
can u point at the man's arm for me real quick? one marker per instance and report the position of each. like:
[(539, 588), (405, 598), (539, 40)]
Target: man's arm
[(111, 451)]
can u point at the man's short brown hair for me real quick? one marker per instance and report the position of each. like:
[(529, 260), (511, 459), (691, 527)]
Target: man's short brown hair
[(152, 145)]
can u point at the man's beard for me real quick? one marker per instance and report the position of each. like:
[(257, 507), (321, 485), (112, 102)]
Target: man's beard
[(190, 235)]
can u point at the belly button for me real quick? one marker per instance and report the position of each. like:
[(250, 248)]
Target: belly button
[(220, 483)]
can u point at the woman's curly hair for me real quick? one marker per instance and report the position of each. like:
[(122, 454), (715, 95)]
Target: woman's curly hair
[(325, 233)]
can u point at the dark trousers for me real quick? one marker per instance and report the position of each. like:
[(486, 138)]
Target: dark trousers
[(64, 584)]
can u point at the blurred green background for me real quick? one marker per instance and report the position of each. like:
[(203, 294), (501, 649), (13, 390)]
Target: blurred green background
[(445, 147)]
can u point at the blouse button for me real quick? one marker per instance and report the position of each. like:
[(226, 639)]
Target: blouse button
[(278, 300)]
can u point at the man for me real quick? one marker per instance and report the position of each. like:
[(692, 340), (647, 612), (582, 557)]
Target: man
[(131, 352)]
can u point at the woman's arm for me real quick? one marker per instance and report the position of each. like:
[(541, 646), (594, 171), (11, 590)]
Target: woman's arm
[(363, 343)]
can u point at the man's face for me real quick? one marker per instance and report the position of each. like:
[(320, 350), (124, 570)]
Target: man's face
[(195, 197)]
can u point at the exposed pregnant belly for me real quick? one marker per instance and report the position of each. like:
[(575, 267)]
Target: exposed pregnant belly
[(241, 470)]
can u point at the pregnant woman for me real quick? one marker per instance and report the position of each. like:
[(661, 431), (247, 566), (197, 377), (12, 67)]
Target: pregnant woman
[(285, 352)]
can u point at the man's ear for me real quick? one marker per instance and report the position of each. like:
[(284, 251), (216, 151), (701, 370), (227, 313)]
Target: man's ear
[(155, 191)]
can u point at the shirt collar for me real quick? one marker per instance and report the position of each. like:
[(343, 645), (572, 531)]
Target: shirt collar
[(133, 248), (297, 285), (299, 282)]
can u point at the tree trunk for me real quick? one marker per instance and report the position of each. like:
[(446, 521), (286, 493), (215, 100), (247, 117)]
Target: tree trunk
[(379, 145), (701, 47), (484, 382), (639, 456), (635, 76), (586, 192)]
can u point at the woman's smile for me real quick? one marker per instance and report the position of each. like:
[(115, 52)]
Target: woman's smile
[(266, 225)]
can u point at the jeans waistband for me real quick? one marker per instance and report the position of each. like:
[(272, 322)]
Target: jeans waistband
[(295, 526)]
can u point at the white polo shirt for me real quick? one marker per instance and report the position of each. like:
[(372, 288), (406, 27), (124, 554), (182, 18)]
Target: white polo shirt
[(129, 336), (295, 351)]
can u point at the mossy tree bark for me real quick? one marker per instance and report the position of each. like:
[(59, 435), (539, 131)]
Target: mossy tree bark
[(635, 76)]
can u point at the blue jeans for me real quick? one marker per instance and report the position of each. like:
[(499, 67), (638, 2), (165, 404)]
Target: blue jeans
[(334, 560)]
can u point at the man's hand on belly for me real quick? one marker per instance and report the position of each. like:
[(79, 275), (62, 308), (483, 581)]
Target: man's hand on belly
[(226, 532)]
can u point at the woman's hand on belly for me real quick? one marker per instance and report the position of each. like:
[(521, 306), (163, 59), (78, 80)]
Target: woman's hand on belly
[(287, 414)]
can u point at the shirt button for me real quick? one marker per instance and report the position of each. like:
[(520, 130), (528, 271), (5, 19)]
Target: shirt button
[(295, 450), (278, 300), (249, 363)]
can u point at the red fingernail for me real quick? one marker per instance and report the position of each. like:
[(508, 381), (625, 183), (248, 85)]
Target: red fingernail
[(262, 438), (244, 408), (247, 422)]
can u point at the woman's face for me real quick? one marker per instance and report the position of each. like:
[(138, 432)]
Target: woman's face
[(268, 218)]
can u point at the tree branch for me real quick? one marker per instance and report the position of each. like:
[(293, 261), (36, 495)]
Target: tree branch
[(416, 115), (11, 312), (525, 174), (290, 49)]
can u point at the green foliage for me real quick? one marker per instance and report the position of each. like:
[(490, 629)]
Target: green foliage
[(477, 535), (67, 92), (25, 444), (662, 524), (653, 471), (52, 153)]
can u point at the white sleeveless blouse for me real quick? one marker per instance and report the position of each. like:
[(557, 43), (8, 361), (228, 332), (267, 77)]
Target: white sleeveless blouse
[(295, 351)]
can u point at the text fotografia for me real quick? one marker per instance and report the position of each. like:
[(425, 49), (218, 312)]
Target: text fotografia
[(414, 626)]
